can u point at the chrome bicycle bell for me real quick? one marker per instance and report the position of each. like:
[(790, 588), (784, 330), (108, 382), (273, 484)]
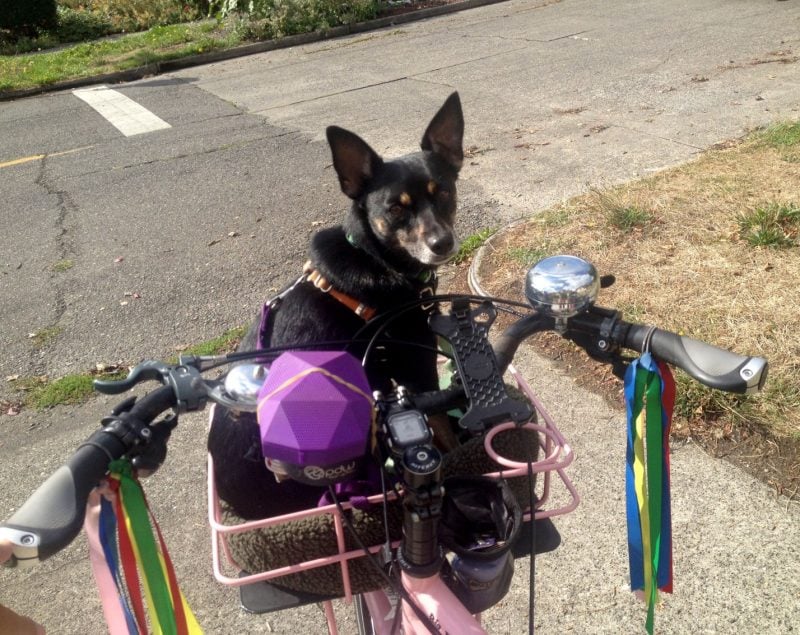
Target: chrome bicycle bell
[(562, 286), (243, 382)]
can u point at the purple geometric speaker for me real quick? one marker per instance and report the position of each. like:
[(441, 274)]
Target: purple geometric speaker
[(315, 413)]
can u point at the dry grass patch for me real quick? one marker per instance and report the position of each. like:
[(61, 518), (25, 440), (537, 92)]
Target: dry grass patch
[(681, 246)]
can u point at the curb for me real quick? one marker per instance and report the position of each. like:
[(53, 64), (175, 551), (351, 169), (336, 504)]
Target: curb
[(247, 49), (473, 274)]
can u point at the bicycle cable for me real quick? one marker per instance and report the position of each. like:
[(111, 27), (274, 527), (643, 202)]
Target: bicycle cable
[(532, 578), (397, 588), (389, 318)]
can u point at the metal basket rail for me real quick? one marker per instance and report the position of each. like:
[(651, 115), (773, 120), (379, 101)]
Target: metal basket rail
[(557, 456)]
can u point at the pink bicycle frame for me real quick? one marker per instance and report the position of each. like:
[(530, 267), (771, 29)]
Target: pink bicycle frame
[(431, 594)]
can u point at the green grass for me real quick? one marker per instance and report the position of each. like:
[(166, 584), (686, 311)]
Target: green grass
[(45, 336), (86, 20), (629, 217), (26, 63), (66, 390), (694, 400), (558, 217), (781, 135), (63, 265), (781, 399), (784, 137), (633, 312), (620, 213), (41, 394), (527, 256), (225, 343), (774, 225), (272, 19), (131, 51), (471, 244)]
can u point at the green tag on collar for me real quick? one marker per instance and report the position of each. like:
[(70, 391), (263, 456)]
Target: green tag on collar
[(426, 275)]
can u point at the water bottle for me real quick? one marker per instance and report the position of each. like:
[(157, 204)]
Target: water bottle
[(480, 524), (479, 583)]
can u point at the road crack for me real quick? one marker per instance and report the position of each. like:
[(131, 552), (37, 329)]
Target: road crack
[(65, 247)]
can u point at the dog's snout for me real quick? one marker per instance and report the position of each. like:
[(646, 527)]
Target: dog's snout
[(441, 244)]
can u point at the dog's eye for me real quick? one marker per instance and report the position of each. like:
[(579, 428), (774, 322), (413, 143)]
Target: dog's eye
[(397, 210), (443, 194)]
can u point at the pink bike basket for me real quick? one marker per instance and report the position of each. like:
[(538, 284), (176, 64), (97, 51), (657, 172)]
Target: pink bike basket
[(555, 456)]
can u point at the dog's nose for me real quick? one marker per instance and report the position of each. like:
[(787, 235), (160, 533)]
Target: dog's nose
[(441, 244)]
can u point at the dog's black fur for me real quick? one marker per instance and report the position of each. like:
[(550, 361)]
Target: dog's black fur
[(398, 230)]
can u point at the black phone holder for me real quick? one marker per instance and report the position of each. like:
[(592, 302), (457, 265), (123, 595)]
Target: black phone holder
[(467, 331)]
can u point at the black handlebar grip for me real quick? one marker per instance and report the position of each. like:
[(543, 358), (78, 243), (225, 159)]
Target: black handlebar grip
[(51, 518), (53, 515), (715, 367), (153, 404)]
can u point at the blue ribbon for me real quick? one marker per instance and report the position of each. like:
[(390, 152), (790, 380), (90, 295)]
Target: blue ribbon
[(107, 531)]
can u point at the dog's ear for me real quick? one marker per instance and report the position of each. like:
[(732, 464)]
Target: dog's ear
[(445, 133), (355, 162)]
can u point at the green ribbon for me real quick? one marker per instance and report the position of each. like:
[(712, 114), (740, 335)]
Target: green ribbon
[(137, 512)]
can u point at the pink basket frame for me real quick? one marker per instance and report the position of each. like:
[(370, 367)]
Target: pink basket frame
[(557, 456)]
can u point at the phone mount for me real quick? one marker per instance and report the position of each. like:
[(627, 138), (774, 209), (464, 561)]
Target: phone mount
[(467, 331)]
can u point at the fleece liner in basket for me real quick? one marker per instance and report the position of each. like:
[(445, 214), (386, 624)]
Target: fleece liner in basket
[(310, 538)]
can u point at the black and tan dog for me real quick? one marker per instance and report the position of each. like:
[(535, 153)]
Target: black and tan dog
[(398, 231)]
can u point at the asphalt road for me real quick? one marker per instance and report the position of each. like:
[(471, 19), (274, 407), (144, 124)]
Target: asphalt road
[(176, 235)]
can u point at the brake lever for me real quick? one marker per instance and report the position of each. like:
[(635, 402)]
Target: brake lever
[(191, 392), (146, 371)]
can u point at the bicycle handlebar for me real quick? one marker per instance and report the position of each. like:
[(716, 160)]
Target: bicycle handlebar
[(715, 367), (439, 400), (710, 365), (53, 515)]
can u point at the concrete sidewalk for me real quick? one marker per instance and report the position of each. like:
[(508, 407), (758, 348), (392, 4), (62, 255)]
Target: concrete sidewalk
[(558, 96)]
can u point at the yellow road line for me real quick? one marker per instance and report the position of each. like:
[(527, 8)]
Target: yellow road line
[(63, 152), (36, 157)]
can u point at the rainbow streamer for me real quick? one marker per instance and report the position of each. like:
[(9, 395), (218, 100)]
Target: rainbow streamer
[(144, 563), (650, 399)]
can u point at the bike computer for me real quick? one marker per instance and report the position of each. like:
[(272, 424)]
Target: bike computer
[(407, 428)]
